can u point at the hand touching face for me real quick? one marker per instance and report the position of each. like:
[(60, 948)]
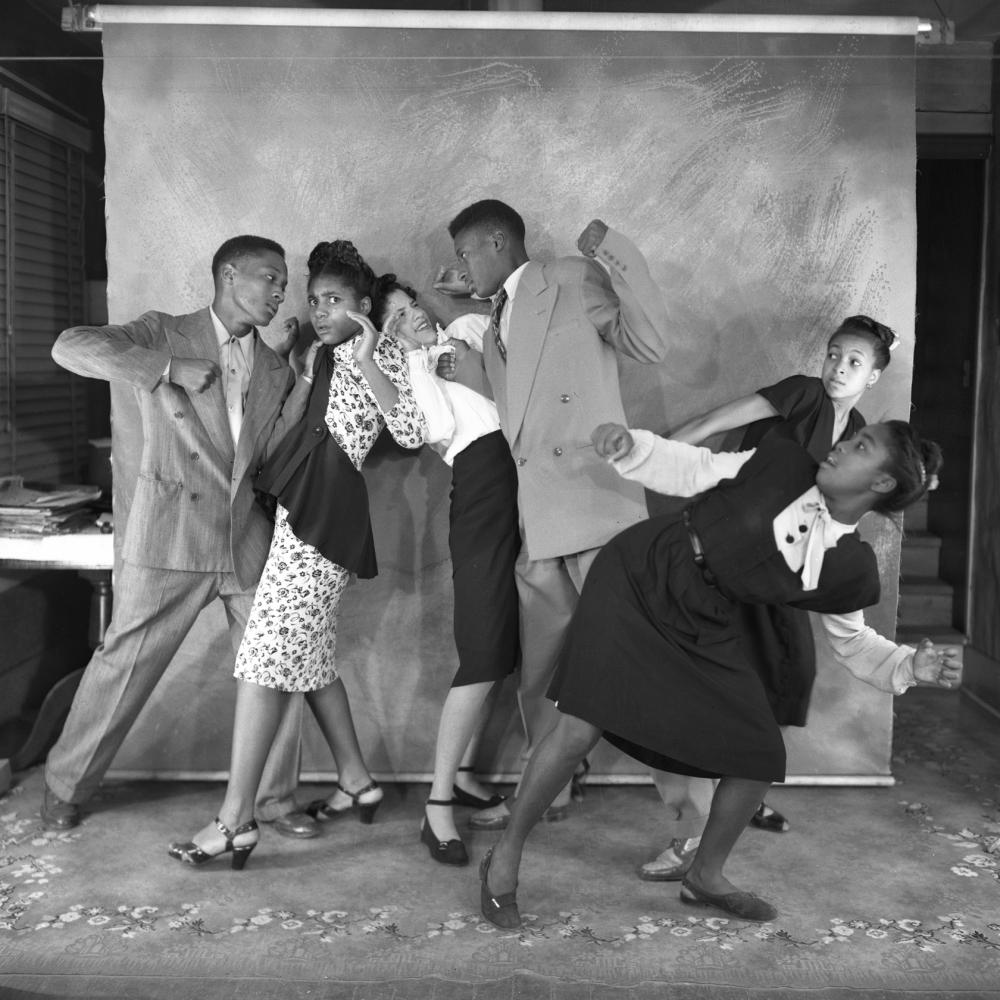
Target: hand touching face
[(331, 298)]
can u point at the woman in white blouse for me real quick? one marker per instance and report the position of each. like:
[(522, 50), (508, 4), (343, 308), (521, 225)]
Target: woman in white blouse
[(653, 659), (464, 429)]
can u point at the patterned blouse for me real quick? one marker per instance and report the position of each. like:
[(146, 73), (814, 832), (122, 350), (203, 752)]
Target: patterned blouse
[(353, 414)]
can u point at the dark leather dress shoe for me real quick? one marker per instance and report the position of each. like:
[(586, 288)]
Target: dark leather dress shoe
[(497, 819), (766, 818), (460, 797), (57, 814), (296, 824), (744, 905)]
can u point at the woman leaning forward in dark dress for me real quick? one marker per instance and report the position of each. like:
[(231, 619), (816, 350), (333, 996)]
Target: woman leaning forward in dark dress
[(653, 660)]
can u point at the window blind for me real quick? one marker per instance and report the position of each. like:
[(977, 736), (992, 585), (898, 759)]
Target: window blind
[(43, 416)]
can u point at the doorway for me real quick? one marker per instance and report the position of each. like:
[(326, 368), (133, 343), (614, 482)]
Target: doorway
[(951, 191)]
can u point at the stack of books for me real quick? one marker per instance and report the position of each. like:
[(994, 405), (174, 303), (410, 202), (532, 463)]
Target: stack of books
[(34, 509)]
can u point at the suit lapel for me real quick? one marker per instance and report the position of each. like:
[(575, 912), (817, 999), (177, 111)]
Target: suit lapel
[(267, 384), (531, 309), (195, 338)]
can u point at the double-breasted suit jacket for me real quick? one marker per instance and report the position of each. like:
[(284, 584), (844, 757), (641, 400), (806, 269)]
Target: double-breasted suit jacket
[(569, 319), (192, 532), (193, 504)]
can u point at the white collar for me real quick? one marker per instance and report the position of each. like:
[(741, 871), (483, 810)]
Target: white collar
[(223, 336), (513, 279)]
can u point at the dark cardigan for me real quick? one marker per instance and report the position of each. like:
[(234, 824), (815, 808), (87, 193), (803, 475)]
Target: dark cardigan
[(316, 482)]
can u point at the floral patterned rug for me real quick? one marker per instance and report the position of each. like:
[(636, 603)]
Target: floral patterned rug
[(878, 889)]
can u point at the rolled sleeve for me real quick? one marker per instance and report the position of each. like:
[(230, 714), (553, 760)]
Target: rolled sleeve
[(869, 656), (675, 468)]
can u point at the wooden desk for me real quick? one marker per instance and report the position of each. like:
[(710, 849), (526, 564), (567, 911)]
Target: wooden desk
[(91, 554)]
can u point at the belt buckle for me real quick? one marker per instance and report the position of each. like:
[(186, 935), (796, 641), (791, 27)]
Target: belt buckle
[(699, 552)]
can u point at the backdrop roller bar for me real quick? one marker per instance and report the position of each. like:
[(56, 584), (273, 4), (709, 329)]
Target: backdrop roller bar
[(94, 17)]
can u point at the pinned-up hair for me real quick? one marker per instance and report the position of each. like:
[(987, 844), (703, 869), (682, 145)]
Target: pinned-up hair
[(913, 462), (341, 258), (884, 340)]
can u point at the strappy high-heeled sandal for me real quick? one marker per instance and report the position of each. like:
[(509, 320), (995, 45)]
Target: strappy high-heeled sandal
[(248, 836), (447, 852), (460, 797), (366, 800)]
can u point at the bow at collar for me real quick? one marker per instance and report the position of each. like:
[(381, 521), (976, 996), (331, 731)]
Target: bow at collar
[(819, 538)]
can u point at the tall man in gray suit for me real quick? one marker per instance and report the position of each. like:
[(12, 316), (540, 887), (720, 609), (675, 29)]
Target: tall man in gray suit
[(550, 355), (213, 398)]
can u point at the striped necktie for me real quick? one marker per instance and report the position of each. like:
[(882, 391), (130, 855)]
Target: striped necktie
[(498, 303)]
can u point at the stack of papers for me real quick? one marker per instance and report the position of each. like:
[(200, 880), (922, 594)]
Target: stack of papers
[(35, 509)]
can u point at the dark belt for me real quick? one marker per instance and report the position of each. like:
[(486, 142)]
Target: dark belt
[(697, 548)]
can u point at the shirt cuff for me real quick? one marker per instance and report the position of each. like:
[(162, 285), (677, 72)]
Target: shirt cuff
[(902, 674), (642, 448)]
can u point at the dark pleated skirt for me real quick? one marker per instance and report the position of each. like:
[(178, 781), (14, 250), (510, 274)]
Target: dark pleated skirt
[(779, 642), (484, 541), (655, 658)]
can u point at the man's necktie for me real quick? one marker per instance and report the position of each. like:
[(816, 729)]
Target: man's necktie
[(495, 312), (237, 382)]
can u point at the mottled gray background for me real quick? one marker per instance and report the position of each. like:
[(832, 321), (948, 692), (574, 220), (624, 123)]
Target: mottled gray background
[(769, 180)]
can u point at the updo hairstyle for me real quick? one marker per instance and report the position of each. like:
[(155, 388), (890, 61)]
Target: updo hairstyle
[(914, 463), (341, 258), (883, 339)]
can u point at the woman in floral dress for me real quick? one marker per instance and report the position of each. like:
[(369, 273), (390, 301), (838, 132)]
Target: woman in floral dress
[(322, 536)]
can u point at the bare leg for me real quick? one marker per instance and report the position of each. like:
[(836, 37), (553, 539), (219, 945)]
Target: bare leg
[(456, 740), (258, 713), (332, 709), (465, 778), (734, 802), (549, 770)]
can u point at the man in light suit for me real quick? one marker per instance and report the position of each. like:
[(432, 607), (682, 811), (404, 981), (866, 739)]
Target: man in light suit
[(550, 356), (212, 399)]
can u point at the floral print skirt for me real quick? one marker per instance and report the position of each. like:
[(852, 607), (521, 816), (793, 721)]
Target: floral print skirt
[(291, 637)]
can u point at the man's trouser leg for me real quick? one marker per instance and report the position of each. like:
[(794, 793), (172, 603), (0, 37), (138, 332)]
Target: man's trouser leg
[(548, 591), (154, 610)]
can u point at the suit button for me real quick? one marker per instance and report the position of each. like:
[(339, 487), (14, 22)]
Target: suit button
[(194, 496), (564, 398), (195, 456), (521, 461), (557, 452), (179, 414), (317, 430)]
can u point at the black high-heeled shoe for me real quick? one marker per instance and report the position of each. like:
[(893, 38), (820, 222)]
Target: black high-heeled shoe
[(499, 910), (447, 852), (190, 853), (366, 800), (460, 797)]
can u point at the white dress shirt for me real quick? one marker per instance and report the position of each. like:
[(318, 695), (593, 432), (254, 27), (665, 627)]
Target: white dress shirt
[(455, 415), (510, 287), (235, 377)]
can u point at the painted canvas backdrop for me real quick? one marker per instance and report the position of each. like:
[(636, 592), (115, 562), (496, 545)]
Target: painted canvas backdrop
[(768, 179)]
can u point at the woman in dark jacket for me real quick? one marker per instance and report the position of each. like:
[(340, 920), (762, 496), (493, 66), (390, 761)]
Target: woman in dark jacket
[(654, 660)]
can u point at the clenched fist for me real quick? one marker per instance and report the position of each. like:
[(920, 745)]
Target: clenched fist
[(193, 374)]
